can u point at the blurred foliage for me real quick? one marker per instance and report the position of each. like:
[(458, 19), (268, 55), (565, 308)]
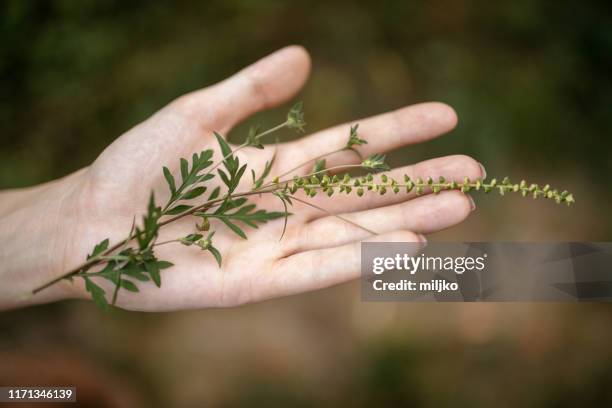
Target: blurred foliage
[(530, 81)]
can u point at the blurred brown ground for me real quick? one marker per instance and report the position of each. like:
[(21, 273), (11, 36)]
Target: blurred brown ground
[(530, 82)]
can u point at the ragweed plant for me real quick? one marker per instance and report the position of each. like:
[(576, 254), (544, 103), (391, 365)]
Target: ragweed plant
[(133, 260)]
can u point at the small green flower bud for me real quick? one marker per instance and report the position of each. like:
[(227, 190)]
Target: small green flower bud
[(204, 244)]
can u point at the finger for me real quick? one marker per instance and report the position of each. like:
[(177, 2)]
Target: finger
[(322, 268), (423, 215), (454, 167), (409, 125), (268, 82)]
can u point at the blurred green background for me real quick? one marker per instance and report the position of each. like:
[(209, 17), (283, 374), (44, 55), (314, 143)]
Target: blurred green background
[(531, 83)]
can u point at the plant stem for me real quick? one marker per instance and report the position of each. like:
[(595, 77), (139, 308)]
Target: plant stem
[(299, 166), (170, 241), (421, 187)]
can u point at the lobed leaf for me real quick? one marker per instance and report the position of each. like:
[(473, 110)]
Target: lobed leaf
[(97, 293), (234, 227), (98, 249), (153, 270)]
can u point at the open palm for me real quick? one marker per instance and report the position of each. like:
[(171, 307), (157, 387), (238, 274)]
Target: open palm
[(317, 250)]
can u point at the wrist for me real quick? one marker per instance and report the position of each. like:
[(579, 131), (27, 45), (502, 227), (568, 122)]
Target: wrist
[(35, 228)]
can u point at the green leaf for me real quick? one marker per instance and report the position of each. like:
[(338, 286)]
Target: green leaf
[(375, 162), (206, 155), (98, 249), (150, 225), (253, 138), (136, 273), (226, 150), (97, 293), (178, 209), (295, 117), (110, 273), (224, 178), (204, 177), (319, 166), (258, 182), (354, 139), (153, 270), (128, 285), (246, 214), (191, 239), (193, 193), (184, 169), (216, 254), (234, 228), (215, 193), (164, 264), (239, 175), (170, 179)]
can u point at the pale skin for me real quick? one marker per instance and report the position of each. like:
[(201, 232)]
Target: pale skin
[(49, 229)]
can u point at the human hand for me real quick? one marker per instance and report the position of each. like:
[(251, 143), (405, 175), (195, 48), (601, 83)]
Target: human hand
[(316, 251)]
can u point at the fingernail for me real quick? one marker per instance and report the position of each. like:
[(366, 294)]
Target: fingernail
[(422, 238), (483, 171), (472, 202)]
